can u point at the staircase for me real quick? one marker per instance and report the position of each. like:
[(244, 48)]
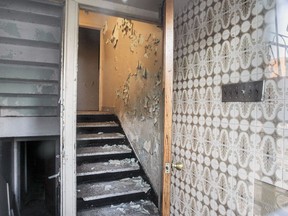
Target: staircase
[(110, 180)]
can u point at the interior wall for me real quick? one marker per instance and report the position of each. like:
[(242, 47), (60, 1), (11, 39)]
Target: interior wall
[(132, 78), (228, 147), (131, 74)]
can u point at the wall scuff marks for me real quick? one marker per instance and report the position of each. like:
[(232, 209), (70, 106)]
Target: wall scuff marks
[(132, 74)]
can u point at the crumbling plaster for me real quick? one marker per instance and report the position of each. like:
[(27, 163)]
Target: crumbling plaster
[(132, 75), (131, 83)]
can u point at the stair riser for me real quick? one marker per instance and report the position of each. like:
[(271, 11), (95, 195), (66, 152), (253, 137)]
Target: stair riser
[(112, 201), (90, 143), (96, 118), (87, 130), (108, 177)]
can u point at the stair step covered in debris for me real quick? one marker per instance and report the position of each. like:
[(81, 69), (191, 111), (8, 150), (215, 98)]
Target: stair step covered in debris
[(111, 166), (97, 124), (95, 117), (109, 189), (103, 150), (98, 127), (108, 172), (100, 136), (139, 208)]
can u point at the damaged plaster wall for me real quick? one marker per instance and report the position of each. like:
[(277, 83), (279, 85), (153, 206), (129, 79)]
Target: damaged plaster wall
[(130, 83), (132, 87)]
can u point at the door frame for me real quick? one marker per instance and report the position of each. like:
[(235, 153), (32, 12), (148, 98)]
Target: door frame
[(168, 72), (68, 196), (91, 24)]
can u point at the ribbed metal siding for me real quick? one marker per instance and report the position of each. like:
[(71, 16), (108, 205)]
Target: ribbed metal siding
[(30, 52)]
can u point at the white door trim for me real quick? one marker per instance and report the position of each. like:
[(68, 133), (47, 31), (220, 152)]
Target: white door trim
[(69, 110)]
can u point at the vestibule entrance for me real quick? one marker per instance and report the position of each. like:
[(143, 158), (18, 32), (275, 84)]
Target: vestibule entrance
[(88, 69)]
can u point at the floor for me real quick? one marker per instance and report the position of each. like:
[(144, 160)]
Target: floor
[(35, 208)]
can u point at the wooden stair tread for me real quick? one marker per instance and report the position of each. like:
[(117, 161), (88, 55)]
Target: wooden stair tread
[(112, 166), (103, 150), (100, 136), (97, 124), (139, 208), (97, 191)]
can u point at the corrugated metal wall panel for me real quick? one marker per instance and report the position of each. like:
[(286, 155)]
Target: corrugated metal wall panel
[(30, 48), (29, 112), (32, 7), (29, 31), (28, 101), (10, 71)]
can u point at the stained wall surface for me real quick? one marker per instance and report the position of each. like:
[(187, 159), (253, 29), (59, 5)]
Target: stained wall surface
[(132, 80), (131, 83), (228, 147)]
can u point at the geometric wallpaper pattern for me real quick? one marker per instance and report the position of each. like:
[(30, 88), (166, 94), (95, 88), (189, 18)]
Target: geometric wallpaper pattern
[(226, 146)]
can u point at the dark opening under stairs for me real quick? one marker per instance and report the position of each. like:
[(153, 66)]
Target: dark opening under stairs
[(110, 180)]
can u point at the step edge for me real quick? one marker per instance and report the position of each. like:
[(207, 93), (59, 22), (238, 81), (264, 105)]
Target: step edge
[(124, 193), (108, 171), (103, 153)]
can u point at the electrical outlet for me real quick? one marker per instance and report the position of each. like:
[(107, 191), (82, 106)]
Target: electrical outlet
[(243, 92)]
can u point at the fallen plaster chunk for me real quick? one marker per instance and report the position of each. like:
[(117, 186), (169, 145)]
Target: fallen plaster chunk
[(147, 146), (108, 187), (124, 147), (127, 161)]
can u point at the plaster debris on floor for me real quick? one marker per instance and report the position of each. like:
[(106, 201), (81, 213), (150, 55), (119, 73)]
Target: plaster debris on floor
[(94, 191), (139, 208), (112, 166), (126, 161), (103, 150)]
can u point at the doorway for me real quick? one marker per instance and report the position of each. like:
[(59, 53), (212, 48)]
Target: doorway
[(69, 90), (37, 180), (88, 67)]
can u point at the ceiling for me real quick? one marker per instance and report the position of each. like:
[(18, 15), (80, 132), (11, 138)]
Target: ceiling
[(151, 5)]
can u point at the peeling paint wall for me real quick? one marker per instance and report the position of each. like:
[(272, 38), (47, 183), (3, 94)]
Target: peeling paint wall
[(132, 75), (132, 86), (131, 80)]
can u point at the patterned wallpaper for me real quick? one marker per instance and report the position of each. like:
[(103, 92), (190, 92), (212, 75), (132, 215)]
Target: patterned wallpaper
[(226, 147)]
